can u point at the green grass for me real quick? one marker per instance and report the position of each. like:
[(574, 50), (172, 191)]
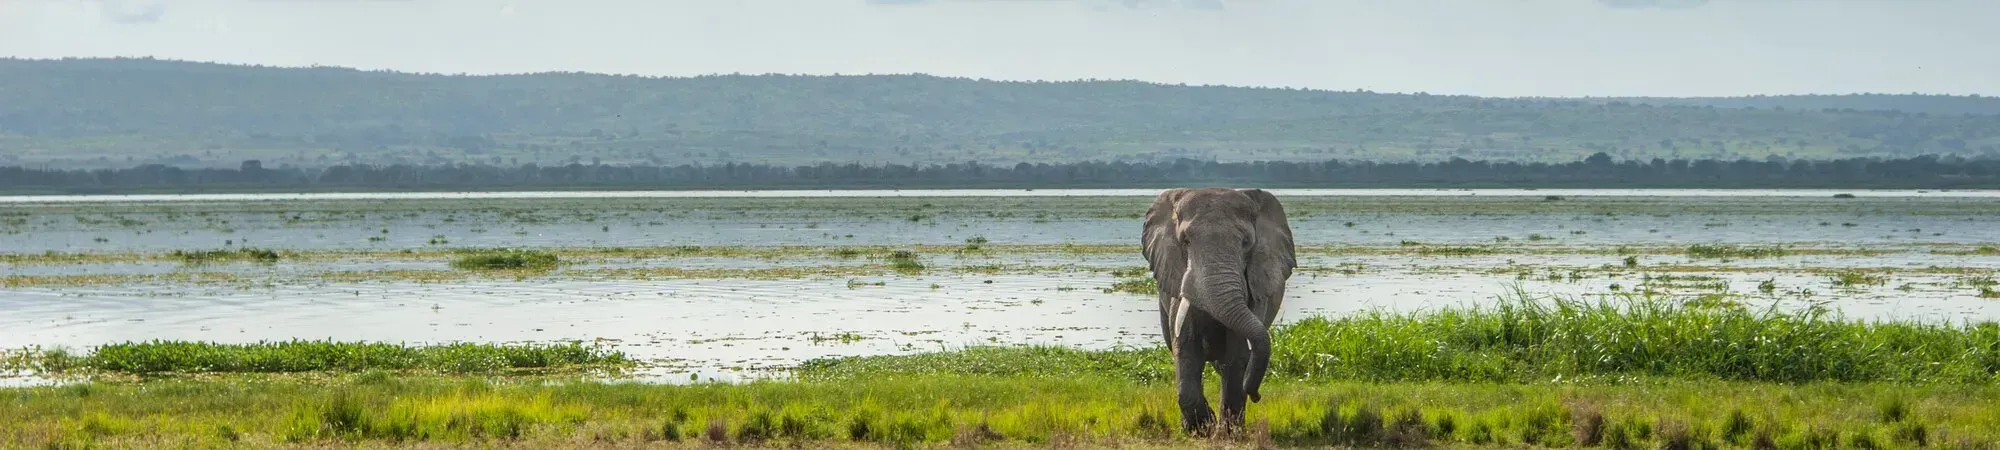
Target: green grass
[(505, 260), (183, 357), (941, 410), (1524, 340)]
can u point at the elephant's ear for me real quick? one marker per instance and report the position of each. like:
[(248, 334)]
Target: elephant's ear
[(1271, 256), (1161, 246)]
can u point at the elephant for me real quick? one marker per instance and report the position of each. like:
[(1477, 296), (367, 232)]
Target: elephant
[(1221, 258)]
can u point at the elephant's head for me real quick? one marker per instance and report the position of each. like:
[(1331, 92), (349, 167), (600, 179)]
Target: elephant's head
[(1229, 253)]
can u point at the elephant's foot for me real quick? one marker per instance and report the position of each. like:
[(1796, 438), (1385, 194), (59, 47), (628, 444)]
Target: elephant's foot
[(1232, 421), (1199, 422), (1213, 428)]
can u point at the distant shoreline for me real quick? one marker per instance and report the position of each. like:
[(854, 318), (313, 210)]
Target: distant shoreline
[(988, 192)]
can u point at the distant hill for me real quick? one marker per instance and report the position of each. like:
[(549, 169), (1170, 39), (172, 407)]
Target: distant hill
[(124, 112)]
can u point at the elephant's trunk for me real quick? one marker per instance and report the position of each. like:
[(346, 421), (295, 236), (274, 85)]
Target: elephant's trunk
[(1223, 295), (1243, 322)]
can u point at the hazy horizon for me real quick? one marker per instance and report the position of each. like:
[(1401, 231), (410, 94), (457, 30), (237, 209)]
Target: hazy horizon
[(1494, 48)]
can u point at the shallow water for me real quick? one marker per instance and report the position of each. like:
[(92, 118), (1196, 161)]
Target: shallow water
[(731, 328), (988, 193)]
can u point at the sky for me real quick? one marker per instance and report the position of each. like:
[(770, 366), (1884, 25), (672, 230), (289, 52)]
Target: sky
[(1563, 48)]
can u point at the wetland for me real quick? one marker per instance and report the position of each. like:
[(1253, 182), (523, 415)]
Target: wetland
[(733, 298)]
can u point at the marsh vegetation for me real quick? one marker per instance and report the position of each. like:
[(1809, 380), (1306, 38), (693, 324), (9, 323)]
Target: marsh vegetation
[(239, 254)]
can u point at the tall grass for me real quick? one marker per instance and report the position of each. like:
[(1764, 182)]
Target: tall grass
[(1526, 339), (324, 356)]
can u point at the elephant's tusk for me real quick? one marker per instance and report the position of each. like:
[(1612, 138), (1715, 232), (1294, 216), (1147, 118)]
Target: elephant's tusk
[(1180, 315), (1181, 308)]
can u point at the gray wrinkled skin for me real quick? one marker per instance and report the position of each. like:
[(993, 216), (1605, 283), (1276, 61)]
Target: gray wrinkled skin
[(1221, 258)]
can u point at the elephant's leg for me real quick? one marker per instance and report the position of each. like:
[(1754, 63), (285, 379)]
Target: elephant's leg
[(1233, 365), (1196, 416)]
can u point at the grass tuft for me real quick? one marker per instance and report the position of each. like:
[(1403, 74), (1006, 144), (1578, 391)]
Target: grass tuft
[(1142, 286), (905, 261), (1676, 435), (1856, 278), (1362, 428), (1408, 431), (1893, 410), (1586, 424), (1737, 427), (975, 243), (1913, 433)]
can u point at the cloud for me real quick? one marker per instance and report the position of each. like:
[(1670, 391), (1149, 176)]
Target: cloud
[(117, 11), (1203, 5), (1100, 5), (1662, 4), (1211, 5)]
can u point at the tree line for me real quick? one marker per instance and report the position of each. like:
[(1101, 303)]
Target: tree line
[(1597, 171)]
